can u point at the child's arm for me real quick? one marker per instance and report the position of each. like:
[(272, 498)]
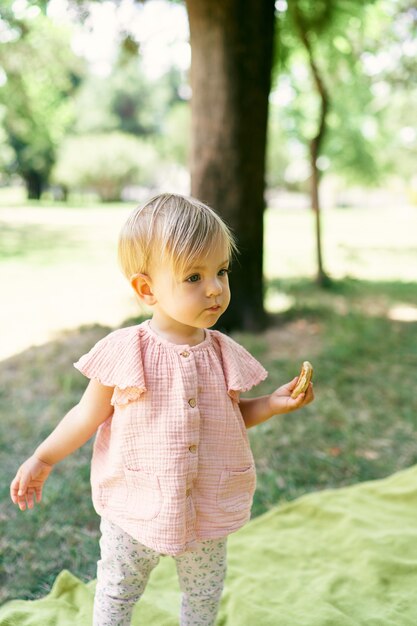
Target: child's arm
[(257, 410), (78, 425)]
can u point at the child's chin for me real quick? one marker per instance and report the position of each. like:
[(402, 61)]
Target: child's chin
[(212, 322)]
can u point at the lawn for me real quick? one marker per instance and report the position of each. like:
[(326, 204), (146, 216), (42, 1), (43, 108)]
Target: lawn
[(360, 335)]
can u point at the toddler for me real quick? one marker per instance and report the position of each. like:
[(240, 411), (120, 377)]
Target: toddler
[(172, 471)]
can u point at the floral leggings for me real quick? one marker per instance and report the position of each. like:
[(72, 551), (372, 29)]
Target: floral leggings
[(125, 566)]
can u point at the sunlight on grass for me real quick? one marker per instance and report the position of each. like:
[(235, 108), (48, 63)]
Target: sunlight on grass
[(362, 426), (58, 265), (58, 270), (403, 313), (13, 196), (365, 243), (277, 302)]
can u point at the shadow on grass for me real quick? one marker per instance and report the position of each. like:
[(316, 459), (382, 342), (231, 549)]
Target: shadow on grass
[(363, 424), (344, 296), (37, 388)]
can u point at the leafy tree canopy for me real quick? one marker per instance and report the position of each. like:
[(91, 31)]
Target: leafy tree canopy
[(39, 74), (368, 85)]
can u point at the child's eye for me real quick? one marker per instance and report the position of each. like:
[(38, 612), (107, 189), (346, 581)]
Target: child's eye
[(194, 278), (224, 271)]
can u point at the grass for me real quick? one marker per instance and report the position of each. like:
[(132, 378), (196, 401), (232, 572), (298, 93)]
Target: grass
[(363, 424), (61, 260), (373, 244), (63, 532)]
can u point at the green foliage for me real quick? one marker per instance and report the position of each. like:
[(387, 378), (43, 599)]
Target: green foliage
[(333, 32), (174, 140), (6, 151), (126, 100), (143, 118), (364, 50), (370, 87), (277, 154), (146, 125), (105, 164), (40, 72), (44, 102)]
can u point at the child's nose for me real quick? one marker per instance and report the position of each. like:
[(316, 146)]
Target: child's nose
[(214, 287)]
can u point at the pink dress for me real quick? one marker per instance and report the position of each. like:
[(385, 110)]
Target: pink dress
[(173, 465)]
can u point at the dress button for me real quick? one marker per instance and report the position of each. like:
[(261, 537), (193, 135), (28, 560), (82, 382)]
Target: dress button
[(185, 353), (192, 402), (193, 448)]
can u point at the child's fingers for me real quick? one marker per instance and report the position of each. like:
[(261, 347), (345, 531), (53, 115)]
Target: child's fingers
[(292, 384), (13, 494), (20, 500), (23, 487), (14, 488), (38, 494), (19, 490), (22, 504), (29, 498), (298, 401), (309, 392)]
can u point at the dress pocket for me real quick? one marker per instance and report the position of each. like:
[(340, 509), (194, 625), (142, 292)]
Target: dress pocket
[(144, 497), (236, 489)]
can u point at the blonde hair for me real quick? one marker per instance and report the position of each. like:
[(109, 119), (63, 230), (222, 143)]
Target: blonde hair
[(172, 228)]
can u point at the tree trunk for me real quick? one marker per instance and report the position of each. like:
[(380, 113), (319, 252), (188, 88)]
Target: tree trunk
[(315, 144), (322, 277), (34, 184), (232, 47)]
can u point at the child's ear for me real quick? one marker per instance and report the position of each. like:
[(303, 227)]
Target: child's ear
[(142, 284)]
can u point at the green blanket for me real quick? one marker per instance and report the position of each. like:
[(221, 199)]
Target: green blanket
[(346, 557)]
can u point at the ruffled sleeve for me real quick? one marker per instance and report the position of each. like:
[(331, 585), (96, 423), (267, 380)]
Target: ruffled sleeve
[(116, 361), (241, 370)]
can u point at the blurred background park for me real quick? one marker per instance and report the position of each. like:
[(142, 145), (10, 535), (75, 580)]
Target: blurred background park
[(96, 115)]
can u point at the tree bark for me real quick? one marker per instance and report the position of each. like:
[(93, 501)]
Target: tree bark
[(232, 50), (315, 146), (316, 142), (322, 278), (34, 184)]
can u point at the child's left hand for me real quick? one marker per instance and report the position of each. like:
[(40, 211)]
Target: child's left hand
[(280, 400)]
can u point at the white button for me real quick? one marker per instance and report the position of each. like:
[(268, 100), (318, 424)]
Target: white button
[(192, 402), (185, 353), (193, 448)]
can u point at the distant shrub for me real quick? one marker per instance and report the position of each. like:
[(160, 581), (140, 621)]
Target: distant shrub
[(105, 164), (174, 141)]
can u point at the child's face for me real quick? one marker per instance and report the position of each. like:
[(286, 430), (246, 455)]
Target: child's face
[(195, 299)]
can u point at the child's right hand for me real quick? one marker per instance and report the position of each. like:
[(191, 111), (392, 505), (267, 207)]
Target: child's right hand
[(29, 482)]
